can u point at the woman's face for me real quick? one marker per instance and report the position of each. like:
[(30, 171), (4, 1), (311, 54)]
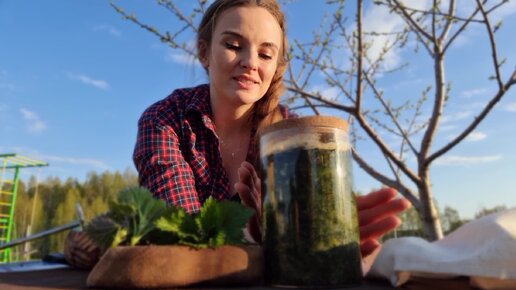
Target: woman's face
[(243, 55)]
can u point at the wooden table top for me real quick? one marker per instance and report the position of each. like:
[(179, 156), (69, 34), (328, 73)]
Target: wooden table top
[(68, 278)]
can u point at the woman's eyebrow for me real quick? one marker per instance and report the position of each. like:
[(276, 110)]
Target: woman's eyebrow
[(238, 35)]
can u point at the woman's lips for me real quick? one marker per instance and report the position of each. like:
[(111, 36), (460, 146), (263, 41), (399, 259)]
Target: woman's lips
[(245, 82)]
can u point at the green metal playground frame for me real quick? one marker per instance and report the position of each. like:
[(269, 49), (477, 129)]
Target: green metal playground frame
[(11, 163)]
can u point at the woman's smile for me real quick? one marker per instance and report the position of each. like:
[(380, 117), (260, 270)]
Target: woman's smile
[(245, 82)]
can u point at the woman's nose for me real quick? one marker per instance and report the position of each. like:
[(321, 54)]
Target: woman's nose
[(249, 60)]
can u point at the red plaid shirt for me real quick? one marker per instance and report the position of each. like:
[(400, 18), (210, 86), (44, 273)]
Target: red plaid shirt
[(177, 152)]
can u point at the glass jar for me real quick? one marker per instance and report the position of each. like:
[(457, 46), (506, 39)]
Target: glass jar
[(310, 225)]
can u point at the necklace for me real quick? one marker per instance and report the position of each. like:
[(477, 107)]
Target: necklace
[(228, 148)]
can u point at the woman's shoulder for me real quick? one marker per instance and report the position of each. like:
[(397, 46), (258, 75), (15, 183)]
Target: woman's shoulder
[(175, 104)]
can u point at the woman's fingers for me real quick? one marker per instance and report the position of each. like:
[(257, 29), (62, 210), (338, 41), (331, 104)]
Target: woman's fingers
[(381, 211), (81, 251), (245, 194), (368, 246), (85, 259), (375, 198), (379, 228), (257, 181), (247, 189)]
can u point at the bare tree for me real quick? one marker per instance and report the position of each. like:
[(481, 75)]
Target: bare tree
[(373, 114)]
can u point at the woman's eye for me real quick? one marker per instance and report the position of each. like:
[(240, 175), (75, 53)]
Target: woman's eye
[(232, 46), (265, 56)]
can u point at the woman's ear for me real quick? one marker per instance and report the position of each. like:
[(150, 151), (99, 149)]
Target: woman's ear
[(202, 49)]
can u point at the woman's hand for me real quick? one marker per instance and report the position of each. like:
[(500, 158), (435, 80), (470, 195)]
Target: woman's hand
[(377, 215), (249, 189), (81, 251)]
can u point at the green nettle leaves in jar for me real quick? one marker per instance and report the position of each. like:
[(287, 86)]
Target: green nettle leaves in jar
[(310, 220)]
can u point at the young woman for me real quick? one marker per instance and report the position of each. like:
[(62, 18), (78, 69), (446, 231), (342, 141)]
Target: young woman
[(200, 142)]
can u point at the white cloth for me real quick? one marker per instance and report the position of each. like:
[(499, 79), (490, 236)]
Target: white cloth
[(483, 249)]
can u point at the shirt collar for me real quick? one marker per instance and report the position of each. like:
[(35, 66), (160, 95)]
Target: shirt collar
[(200, 101), (200, 106)]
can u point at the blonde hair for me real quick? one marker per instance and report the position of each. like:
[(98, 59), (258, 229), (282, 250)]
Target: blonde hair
[(265, 110)]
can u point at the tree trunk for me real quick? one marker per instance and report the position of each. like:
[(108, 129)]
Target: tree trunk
[(428, 213)]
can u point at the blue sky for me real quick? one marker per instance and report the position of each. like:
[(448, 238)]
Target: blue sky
[(75, 77)]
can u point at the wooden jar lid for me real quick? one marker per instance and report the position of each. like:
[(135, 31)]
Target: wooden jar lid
[(311, 121)]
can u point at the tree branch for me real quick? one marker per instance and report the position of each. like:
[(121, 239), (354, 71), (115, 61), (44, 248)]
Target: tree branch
[(449, 21), (475, 122), (347, 109), (383, 147), (163, 37), (493, 45), (173, 8), (434, 21), (449, 16), (360, 57), (391, 115), (411, 21), (314, 62), (461, 29), (405, 191)]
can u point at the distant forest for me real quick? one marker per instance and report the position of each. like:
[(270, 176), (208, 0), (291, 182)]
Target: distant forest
[(51, 203)]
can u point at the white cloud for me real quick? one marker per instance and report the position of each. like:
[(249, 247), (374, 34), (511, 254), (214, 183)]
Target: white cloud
[(33, 121), (510, 107), (447, 128), (84, 162), (476, 136), (75, 161), (101, 84), (329, 93), (505, 10), (452, 117), (109, 29), (455, 160), (379, 19), (464, 8), (182, 58), (474, 92)]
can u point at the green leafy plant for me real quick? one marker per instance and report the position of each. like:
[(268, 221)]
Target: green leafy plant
[(136, 218)]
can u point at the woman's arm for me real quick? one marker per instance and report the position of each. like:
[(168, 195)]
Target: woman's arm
[(162, 167)]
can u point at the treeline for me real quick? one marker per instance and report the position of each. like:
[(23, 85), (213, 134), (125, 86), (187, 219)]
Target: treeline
[(51, 203), (450, 220)]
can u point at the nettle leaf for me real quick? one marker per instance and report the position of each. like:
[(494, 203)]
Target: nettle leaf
[(222, 222), (232, 218), (120, 212), (148, 210), (105, 232), (208, 218), (136, 218), (179, 223)]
